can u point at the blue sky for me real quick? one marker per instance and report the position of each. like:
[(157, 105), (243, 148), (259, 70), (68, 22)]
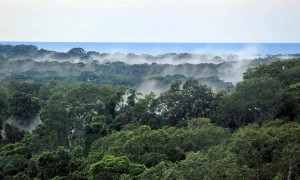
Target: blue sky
[(245, 21), (242, 49)]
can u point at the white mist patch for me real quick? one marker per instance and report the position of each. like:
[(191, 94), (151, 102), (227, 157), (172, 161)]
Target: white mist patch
[(29, 128), (233, 71), (248, 52), (123, 102), (171, 58), (236, 62), (3, 133), (148, 86), (205, 55)]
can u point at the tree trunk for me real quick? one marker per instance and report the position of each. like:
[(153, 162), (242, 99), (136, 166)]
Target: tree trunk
[(289, 172)]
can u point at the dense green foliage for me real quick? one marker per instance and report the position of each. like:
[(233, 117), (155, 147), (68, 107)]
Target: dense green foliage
[(98, 131)]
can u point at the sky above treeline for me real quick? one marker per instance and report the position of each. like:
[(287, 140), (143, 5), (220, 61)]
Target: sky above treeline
[(246, 21), (243, 50)]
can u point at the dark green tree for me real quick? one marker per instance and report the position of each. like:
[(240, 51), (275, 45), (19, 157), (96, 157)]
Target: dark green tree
[(24, 107), (179, 104), (55, 163), (254, 100)]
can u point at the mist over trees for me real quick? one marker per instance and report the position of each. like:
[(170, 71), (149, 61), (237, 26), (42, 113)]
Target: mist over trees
[(95, 123), (143, 72)]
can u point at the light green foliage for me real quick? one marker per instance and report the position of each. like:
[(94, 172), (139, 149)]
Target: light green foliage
[(161, 171), (285, 71), (21, 176), (77, 175), (149, 147), (273, 148), (217, 163), (268, 152), (111, 167)]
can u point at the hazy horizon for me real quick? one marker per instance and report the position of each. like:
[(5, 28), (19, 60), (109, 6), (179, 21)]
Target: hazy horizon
[(242, 49)]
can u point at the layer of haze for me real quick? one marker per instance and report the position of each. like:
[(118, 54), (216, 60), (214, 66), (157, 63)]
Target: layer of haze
[(150, 20)]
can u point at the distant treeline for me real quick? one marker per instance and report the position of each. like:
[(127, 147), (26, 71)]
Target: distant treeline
[(28, 63)]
